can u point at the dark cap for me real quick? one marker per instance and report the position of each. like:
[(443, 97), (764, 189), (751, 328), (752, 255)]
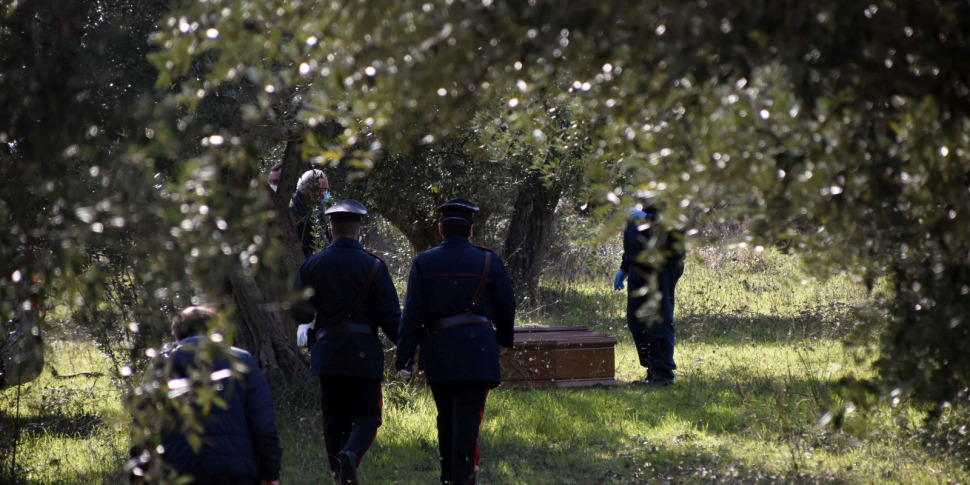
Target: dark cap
[(460, 208), (347, 210)]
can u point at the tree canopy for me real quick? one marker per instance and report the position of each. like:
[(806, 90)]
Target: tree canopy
[(839, 126)]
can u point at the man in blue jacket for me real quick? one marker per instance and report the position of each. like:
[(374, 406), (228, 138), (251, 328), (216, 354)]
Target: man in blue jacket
[(653, 335), (460, 309), (351, 296), (240, 444)]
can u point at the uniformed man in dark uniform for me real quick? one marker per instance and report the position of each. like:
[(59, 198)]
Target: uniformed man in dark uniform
[(460, 310), (352, 296), (653, 336)]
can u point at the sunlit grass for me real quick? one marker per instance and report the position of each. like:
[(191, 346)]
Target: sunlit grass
[(72, 429), (759, 356)]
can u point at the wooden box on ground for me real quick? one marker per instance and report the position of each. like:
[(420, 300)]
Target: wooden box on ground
[(559, 357)]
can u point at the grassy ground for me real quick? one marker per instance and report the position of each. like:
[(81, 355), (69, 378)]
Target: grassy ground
[(72, 429), (759, 352)]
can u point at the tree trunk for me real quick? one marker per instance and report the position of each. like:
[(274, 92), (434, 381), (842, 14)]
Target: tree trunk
[(529, 230), (290, 254), (260, 330), (422, 235), (420, 230), (263, 326)]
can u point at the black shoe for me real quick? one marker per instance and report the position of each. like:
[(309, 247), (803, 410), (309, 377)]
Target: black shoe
[(658, 381), (348, 468)]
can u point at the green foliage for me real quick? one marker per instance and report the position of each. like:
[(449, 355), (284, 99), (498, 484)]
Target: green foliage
[(838, 127)]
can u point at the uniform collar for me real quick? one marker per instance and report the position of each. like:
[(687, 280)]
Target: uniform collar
[(346, 242), (455, 241)]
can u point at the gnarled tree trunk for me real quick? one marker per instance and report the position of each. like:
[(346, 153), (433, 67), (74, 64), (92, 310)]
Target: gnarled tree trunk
[(261, 331), (529, 230), (263, 326)]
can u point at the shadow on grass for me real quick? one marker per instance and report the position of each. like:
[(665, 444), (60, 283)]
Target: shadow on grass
[(598, 435), (82, 426), (762, 328), (605, 311), (106, 477), (76, 426)]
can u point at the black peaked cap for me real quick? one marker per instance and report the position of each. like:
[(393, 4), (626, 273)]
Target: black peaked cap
[(348, 209), (461, 208)]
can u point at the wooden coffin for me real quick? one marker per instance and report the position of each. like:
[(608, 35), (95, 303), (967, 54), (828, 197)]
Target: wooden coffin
[(559, 357)]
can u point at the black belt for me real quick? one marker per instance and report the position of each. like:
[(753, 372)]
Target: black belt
[(345, 328), (458, 320)]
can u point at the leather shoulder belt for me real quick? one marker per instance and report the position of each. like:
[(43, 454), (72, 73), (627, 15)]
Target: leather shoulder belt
[(467, 317)]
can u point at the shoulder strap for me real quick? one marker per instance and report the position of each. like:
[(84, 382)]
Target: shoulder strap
[(481, 282), (367, 284)]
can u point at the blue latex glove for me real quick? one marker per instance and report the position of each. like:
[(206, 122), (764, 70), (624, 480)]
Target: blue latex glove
[(638, 214), (618, 280)]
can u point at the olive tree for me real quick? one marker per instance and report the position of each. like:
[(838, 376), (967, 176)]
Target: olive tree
[(848, 118), (850, 115)]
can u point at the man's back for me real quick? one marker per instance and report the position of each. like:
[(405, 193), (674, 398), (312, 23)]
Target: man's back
[(240, 443), (442, 284), (339, 275)]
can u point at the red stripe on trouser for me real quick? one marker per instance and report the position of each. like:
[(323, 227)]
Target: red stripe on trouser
[(481, 417)]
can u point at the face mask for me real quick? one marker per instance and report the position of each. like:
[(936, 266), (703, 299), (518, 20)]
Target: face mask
[(274, 187), (326, 197)]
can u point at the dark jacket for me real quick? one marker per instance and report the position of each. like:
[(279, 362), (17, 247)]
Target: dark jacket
[(643, 234), (306, 219), (442, 283), (240, 443), (337, 276)]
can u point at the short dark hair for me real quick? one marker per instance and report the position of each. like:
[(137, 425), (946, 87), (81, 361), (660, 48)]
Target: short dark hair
[(192, 321), (456, 226), (344, 227)]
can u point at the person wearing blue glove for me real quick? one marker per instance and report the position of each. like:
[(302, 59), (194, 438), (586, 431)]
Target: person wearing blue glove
[(618, 280), (621, 274), (653, 334)]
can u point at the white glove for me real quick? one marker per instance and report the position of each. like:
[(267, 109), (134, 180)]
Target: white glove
[(301, 334), (404, 375)]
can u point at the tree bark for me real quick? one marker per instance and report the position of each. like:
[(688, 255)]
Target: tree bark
[(283, 226), (263, 325), (260, 330), (529, 230), (420, 230)]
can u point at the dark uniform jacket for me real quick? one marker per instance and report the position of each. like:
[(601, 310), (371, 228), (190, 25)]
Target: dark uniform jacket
[(240, 443), (442, 283), (637, 240), (337, 275)]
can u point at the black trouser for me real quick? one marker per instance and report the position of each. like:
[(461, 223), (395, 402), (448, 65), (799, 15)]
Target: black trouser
[(351, 415), (654, 340), (461, 405)]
